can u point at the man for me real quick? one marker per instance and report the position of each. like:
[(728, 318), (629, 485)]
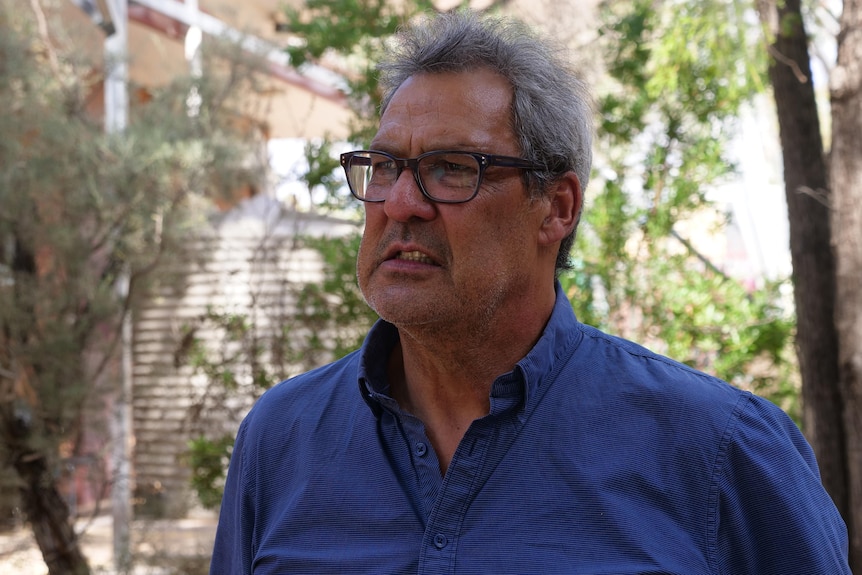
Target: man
[(481, 428)]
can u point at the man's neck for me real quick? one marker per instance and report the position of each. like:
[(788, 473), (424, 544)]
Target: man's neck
[(444, 377)]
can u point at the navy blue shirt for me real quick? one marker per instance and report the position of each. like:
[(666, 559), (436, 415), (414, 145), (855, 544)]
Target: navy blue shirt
[(597, 457)]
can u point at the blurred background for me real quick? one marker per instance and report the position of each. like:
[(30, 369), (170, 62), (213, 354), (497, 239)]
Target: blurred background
[(176, 235)]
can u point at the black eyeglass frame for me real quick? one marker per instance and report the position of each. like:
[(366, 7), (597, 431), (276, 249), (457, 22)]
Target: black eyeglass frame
[(485, 161)]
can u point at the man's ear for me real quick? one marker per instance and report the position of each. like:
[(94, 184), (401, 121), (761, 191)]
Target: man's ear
[(565, 201)]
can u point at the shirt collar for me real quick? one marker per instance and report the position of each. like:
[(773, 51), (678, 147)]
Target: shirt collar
[(558, 339)]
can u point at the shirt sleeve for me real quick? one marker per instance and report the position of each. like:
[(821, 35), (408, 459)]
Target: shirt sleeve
[(232, 551), (773, 516)]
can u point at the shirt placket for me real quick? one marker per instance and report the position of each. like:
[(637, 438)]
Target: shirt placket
[(444, 502), (424, 461), (440, 542)]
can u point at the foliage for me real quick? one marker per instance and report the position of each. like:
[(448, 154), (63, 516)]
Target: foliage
[(346, 311), (680, 72), (209, 459), (352, 33), (81, 207), (323, 174), (83, 212)]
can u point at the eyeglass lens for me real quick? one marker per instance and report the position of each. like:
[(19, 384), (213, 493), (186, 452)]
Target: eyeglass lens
[(445, 176)]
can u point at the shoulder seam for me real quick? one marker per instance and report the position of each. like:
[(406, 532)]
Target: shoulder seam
[(636, 350), (712, 515)]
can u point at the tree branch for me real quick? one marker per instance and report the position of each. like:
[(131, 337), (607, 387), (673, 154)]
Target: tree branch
[(797, 71)]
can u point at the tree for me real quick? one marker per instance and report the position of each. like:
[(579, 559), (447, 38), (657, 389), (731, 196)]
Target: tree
[(665, 121), (80, 208), (822, 190), (824, 206), (846, 218)]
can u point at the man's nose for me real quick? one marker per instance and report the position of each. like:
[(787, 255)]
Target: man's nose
[(406, 200)]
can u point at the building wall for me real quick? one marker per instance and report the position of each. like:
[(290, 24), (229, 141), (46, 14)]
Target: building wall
[(250, 264), (290, 104)]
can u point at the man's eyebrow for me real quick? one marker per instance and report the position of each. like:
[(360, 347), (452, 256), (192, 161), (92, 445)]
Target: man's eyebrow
[(454, 147)]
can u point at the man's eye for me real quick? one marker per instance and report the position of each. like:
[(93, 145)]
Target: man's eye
[(448, 167), (386, 165), (457, 167)]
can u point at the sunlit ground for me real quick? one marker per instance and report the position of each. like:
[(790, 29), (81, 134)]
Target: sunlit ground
[(161, 547)]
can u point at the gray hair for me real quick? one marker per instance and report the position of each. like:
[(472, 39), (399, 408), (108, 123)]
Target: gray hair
[(551, 107)]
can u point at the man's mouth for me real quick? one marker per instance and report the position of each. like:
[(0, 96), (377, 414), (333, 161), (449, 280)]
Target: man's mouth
[(414, 256)]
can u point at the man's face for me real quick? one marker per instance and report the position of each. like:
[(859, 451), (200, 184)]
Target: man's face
[(451, 265)]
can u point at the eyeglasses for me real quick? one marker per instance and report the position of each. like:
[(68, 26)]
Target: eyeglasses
[(448, 177)]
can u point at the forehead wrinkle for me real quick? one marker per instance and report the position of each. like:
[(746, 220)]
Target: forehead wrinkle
[(422, 119), (440, 136)]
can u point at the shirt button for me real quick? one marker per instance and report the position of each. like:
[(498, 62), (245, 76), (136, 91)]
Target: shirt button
[(440, 541), (421, 449)]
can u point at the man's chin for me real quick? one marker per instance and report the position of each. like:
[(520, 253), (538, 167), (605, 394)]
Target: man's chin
[(406, 310)]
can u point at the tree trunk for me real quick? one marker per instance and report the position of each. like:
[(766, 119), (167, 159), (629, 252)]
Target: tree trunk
[(48, 515), (846, 180), (44, 508), (806, 185)]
